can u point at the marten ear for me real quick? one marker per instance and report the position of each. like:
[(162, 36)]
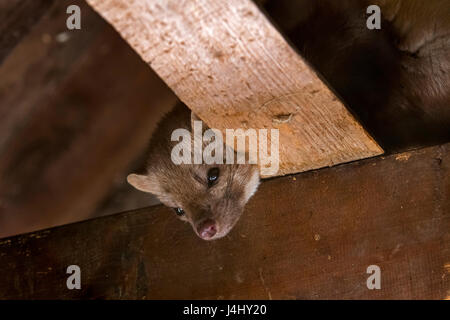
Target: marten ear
[(144, 183)]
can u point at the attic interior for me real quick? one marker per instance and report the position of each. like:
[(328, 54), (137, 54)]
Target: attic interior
[(76, 115)]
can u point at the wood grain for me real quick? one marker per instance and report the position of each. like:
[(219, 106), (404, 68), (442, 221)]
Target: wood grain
[(232, 67), (311, 239)]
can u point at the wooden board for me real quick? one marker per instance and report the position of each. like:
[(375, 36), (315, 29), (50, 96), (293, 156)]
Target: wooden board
[(232, 67), (307, 236), (69, 132)]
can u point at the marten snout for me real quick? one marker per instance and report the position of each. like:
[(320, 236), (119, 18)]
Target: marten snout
[(207, 229)]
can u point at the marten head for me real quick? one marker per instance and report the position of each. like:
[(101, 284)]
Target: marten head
[(211, 197)]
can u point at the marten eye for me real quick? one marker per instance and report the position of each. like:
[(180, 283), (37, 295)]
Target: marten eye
[(213, 175), (179, 211)]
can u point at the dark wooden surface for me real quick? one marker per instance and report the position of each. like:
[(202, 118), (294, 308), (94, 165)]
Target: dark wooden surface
[(17, 17), (77, 109), (307, 236), (236, 49)]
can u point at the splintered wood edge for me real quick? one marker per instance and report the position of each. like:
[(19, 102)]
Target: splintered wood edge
[(234, 70)]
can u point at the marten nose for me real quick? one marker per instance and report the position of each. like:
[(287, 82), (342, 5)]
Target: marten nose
[(207, 229)]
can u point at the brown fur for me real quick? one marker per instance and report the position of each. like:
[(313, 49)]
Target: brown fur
[(185, 186)]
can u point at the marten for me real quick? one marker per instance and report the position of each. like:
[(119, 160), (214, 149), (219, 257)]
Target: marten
[(395, 79), (211, 197)]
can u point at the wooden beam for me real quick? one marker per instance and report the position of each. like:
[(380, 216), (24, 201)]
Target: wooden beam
[(67, 136), (308, 236), (232, 67)]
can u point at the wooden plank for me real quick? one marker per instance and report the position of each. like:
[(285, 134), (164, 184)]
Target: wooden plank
[(68, 129), (231, 66), (308, 236)]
